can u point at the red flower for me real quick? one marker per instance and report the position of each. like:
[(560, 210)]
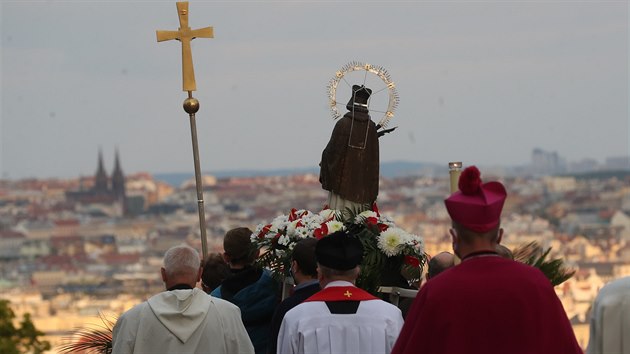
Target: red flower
[(375, 209), (299, 223), (412, 261), (371, 221), (292, 215), (321, 232), (264, 231), (382, 227)]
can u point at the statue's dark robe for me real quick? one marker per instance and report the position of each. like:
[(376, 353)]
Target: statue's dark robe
[(350, 162)]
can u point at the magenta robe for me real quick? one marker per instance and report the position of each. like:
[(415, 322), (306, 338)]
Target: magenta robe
[(488, 305)]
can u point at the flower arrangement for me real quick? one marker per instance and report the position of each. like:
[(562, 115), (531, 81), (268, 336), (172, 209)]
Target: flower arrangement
[(389, 252)]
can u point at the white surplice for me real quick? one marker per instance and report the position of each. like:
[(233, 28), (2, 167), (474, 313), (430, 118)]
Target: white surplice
[(610, 319), (181, 321), (311, 328)]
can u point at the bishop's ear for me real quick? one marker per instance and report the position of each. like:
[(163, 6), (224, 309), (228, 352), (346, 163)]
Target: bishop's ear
[(500, 235), (453, 233)]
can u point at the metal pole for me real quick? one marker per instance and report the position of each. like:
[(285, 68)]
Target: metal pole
[(191, 106)]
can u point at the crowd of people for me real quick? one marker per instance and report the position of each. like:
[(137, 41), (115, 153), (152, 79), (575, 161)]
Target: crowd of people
[(475, 300)]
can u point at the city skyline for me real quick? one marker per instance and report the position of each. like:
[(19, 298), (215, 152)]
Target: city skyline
[(484, 83)]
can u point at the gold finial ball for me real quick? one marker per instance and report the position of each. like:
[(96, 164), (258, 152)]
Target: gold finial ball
[(191, 105)]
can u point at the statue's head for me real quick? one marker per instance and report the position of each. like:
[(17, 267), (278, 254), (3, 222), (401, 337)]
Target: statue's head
[(359, 99)]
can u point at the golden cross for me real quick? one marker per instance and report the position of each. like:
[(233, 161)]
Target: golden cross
[(347, 293), (184, 34)]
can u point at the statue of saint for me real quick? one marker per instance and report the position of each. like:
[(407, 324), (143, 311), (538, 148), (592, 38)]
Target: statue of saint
[(349, 169)]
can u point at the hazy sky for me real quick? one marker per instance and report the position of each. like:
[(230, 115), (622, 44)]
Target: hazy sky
[(483, 82)]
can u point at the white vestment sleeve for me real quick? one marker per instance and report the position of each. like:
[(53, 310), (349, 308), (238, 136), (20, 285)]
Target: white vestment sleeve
[(394, 331), (285, 337)]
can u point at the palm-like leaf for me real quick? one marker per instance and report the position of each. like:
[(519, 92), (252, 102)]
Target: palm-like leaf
[(534, 255), (95, 339)]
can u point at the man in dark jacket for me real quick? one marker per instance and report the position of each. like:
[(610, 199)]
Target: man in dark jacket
[(250, 288)]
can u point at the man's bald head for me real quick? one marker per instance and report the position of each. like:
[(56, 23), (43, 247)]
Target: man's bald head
[(504, 251), (439, 263)]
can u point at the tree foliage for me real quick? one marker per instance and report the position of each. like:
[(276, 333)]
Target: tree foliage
[(22, 339)]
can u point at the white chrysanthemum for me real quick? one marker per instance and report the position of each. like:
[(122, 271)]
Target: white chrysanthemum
[(385, 220), (284, 240), (390, 241), (420, 245), (416, 242), (334, 226), (314, 222), (280, 219), (277, 226), (302, 232), (291, 228)]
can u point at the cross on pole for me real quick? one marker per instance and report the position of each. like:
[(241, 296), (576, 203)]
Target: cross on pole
[(185, 34), (191, 104)]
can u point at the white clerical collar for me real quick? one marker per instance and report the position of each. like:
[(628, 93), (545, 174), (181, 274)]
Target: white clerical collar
[(339, 283)]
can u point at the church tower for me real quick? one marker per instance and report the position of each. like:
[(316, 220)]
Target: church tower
[(118, 179), (100, 180)]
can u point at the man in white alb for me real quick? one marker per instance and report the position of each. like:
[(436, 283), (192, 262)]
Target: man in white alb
[(610, 319), (182, 319), (341, 318)]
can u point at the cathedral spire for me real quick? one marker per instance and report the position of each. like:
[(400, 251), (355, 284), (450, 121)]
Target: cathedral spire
[(100, 180), (118, 178)]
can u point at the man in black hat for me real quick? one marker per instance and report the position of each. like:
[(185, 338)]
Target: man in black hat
[(349, 168), (341, 318)]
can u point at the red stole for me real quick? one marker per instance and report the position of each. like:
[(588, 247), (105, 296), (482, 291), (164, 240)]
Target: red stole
[(341, 293)]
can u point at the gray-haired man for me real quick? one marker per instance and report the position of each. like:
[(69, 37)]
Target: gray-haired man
[(182, 319)]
